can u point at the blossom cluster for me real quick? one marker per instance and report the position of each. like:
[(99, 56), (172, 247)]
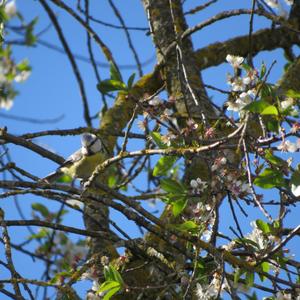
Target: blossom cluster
[(198, 185), (214, 289), (244, 86), (72, 253), (10, 71), (230, 180), (263, 242), (288, 146)]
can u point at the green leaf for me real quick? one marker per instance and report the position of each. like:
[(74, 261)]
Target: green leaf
[(111, 274), (257, 106), (57, 277), (248, 242), (273, 125), (3, 15), (115, 74), (263, 226), (295, 183), (43, 232), (130, 81), (107, 285), (30, 38), (112, 287), (292, 94), (265, 266), (110, 85), (237, 275), (270, 110), (112, 181), (263, 70), (187, 226), (117, 276), (164, 164), (295, 179), (274, 160), (23, 66), (178, 206), (111, 293), (267, 91), (276, 224), (249, 279), (42, 209), (108, 274), (270, 178), (156, 137), (246, 67), (172, 186)]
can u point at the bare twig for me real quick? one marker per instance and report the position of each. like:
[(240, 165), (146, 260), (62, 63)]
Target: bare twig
[(10, 264), (257, 202), (76, 71)]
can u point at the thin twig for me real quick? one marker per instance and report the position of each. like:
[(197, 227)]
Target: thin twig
[(130, 42), (250, 61), (75, 68), (257, 202), (130, 123), (200, 7), (8, 256)]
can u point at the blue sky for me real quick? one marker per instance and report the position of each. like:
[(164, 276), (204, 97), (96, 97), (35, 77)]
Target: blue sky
[(52, 91)]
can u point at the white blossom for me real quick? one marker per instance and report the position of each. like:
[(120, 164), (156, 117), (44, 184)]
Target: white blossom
[(206, 292), (287, 103), (283, 296), (233, 106), (257, 236), (295, 190), (218, 163), (153, 252), (235, 61), (206, 235), (95, 286), (251, 77), (168, 112), (198, 185), (155, 101), (3, 78), (245, 188), (193, 184), (22, 76), (142, 125), (244, 99), (238, 187), (287, 146), (168, 138), (238, 85), (6, 103), (10, 9)]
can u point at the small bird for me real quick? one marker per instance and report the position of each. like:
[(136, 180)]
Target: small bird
[(83, 162)]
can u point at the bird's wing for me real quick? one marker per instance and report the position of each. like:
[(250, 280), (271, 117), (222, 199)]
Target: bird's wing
[(76, 156)]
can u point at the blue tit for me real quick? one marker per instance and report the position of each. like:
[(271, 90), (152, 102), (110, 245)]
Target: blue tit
[(83, 162)]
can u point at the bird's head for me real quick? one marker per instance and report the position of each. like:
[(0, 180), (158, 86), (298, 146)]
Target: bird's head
[(91, 144)]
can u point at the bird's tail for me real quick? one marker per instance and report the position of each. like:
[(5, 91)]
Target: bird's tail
[(52, 177)]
